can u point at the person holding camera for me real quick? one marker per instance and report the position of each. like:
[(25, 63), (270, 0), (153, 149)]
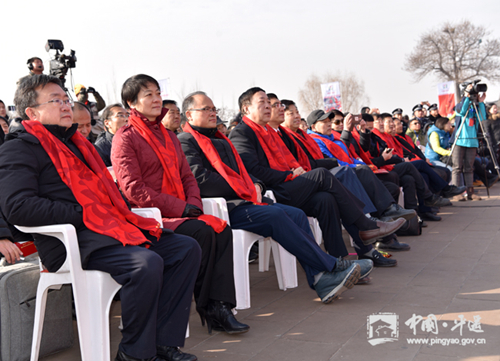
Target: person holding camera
[(466, 142), (82, 95)]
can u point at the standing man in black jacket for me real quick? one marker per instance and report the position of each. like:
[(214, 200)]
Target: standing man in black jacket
[(35, 190)]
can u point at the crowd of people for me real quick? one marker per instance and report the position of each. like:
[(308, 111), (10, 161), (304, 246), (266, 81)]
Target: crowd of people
[(345, 170)]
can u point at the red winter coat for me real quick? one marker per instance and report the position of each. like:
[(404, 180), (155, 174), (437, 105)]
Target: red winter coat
[(139, 173)]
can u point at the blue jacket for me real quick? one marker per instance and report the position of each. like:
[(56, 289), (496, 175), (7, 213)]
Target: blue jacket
[(325, 151), (444, 141), (468, 135)]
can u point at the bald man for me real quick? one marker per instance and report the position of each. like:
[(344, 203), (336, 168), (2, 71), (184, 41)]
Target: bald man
[(81, 115)]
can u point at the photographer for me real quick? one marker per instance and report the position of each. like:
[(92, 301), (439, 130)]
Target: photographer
[(82, 95), (35, 66), (466, 138)]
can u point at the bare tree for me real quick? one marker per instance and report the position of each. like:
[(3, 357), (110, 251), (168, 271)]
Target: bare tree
[(226, 114), (353, 92), (458, 52)]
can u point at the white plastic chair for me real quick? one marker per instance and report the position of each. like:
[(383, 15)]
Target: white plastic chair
[(93, 293), (286, 267)]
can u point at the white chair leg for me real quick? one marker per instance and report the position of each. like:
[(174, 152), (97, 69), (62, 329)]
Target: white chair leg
[(241, 250), (264, 254), (286, 267)]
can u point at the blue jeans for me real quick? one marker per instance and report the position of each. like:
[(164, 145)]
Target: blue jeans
[(290, 228)]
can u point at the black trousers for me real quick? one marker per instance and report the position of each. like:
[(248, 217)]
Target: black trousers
[(413, 183), (216, 277), (378, 193), (319, 194), (157, 287)]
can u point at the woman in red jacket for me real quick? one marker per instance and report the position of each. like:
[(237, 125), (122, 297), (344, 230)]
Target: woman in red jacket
[(152, 171)]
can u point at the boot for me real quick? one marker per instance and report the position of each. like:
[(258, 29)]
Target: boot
[(220, 318), (471, 196)]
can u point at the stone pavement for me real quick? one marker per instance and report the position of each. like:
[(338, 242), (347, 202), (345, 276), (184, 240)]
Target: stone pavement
[(451, 272)]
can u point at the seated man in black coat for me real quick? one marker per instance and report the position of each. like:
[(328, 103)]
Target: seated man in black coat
[(50, 174), (115, 117), (219, 171), (317, 192)]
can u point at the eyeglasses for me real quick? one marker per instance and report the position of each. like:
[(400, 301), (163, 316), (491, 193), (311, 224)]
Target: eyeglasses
[(58, 102), (122, 115), (207, 110), (337, 122), (277, 105)]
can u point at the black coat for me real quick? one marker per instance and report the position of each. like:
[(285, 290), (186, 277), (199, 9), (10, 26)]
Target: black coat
[(103, 146), (33, 194), (327, 163), (211, 183), (246, 143)]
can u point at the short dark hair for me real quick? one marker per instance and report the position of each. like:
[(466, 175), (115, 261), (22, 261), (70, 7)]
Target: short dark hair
[(1, 101), (188, 101), (26, 93), (287, 103), (107, 113), (385, 115), (272, 96), (246, 97), (441, 122), (132, 87), (367, 117), (168, 101), (337, 112), (365, 110)]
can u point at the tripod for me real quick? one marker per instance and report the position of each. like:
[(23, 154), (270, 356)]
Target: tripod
[(492, 155)]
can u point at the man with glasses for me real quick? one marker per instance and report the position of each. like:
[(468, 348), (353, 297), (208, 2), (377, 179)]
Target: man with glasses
[(49, 174), (115, 117)]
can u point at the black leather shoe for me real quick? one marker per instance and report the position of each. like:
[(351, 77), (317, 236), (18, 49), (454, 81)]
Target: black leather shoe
[(428, 216), (122, 356), (395, 211), (379, 260), (220, 318), (172, 353), (393, 245)]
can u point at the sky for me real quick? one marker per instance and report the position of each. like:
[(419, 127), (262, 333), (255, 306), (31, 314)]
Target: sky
[(224, 47)]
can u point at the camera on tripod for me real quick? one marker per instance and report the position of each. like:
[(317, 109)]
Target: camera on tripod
[(476, 88), (61, 63)]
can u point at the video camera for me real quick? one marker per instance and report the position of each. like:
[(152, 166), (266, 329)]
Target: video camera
[(61, 63), (476, 88)]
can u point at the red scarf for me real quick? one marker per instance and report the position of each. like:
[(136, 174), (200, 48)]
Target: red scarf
[(350, 147), (303, 159), (391, 142), (311, 146), (277, 154), (366, 156), (335, 149), (241, 183), (412, 145), (104, 210), (171, 181)]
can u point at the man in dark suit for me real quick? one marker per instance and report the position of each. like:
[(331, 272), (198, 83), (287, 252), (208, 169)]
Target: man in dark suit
[(317, 192)]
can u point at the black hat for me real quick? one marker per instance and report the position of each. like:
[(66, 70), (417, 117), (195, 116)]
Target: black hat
[(433, 107), (417, 107), (219, 121), (316, 116), (397, 111)]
